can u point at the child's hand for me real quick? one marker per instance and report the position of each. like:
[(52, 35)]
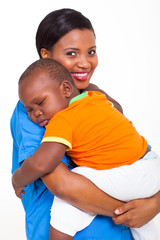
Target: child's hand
[(136, 213), (18, 190)]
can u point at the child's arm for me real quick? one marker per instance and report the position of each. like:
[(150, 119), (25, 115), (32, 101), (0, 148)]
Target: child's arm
[(72, 187), (80, 192), (93, 87), (44, 160)]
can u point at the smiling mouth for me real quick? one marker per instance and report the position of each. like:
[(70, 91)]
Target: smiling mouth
[(82, 76)]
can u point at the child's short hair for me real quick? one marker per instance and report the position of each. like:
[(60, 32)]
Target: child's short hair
[(55, 70)]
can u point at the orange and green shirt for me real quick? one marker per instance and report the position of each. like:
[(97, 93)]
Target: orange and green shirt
[(97, 135)]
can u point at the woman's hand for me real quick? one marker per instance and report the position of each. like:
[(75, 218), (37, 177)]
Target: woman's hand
[(138, 212)]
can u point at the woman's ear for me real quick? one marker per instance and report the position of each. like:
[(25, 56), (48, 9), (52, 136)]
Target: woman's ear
[(67, 88), (44, 53)]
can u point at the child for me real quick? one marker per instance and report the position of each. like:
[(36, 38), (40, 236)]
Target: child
[(98, 138)]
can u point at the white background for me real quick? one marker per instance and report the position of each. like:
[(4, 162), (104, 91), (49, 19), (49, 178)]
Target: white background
[(128, 41)]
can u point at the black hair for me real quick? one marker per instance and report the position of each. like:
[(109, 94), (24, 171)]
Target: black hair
[(55, 70), (56, 24)]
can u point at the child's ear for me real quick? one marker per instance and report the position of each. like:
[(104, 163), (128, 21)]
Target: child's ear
[(67, 88)]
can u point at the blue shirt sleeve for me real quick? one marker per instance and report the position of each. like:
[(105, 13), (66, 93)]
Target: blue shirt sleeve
[(26, 134), (37, 200)]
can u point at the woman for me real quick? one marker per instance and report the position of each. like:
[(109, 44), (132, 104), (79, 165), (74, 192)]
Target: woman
[(68, 37)]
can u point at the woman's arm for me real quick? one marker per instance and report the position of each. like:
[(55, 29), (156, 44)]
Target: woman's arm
[(93, 87), (82, 193), (79, 191), (138, 212)]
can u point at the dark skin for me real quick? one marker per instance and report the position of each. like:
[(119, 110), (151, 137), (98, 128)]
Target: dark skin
[(57, 235), (82, 49), (35, 167), (76, 195), (133, 209), (79, 48), (76, 51)]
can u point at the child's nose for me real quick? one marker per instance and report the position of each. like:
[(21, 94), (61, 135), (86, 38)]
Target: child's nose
[(37, 113)]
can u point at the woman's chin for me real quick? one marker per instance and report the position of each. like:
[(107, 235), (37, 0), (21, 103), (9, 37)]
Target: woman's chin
[(81, 85)]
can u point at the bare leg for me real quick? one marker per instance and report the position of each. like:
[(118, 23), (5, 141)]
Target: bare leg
[(57, 235)]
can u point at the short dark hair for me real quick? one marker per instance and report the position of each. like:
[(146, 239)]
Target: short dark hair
[(55, 70), (56, 24)]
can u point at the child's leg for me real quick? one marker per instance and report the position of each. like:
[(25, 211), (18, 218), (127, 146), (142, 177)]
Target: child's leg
[(139, 180), (56, 235), (67, 218), (146, 232)]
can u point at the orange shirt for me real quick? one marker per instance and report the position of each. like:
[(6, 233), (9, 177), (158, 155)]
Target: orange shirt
[(97, 135)]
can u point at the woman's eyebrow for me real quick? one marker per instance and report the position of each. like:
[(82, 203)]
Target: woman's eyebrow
[(93, 47), (72, 48)]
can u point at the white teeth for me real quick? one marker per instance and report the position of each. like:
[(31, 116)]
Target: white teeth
[(80, 74)]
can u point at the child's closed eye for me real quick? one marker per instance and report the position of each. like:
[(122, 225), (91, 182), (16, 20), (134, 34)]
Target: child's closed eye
[(41, 102)]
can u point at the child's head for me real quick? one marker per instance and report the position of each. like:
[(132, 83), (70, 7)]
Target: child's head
[(45, 88), (68, 37)]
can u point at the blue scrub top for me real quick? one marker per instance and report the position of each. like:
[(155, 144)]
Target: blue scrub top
[(37, 200)]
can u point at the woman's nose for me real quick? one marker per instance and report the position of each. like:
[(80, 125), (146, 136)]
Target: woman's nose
[(83, 62)]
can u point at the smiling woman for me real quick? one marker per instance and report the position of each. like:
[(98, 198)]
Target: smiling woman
[(68, 37), (76, 51), (27, 136), (80, 59)]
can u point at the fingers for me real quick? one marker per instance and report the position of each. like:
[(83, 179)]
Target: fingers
[(19, 193), (126, 219), (127, 215), (125, 207), (122, 219)]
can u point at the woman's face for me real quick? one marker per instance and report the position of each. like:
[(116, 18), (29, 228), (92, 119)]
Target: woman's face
[(76, 51)]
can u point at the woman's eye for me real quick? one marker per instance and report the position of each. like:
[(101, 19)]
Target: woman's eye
[(71, 53), (92, 52)]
